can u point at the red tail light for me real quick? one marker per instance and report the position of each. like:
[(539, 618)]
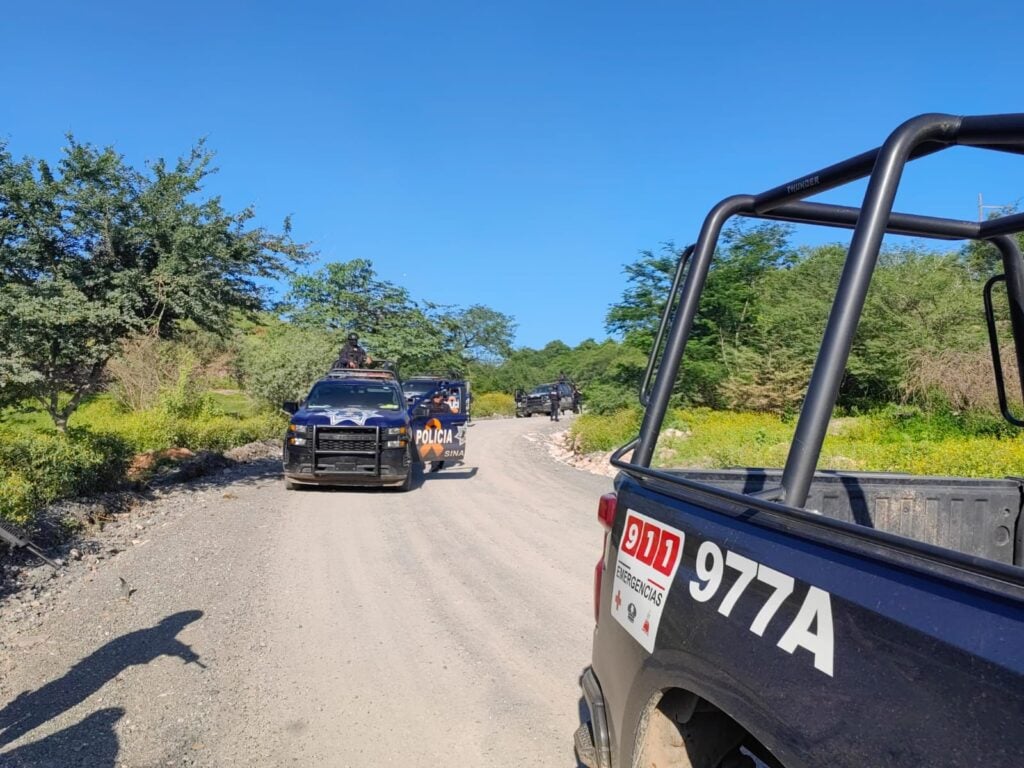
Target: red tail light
[(606, 515), (606, 510)]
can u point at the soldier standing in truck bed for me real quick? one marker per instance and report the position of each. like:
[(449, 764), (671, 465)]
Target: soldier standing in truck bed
[(352, 355)]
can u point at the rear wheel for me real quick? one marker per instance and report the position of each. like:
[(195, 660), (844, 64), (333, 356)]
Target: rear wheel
[(684, 731)]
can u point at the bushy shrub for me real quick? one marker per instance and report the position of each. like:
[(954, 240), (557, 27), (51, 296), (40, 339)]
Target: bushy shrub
[(144, 367), (177, 423), (38, 465), (220, 432), (280, 362), (896, 439), (38, 468), (596, 432), (493, 404), (605, 398), (16, 498)]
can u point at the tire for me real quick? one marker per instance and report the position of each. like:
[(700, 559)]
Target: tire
[(406, 484), (290, 486)]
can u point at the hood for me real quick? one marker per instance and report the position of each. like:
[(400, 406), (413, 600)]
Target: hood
[(352, 417)]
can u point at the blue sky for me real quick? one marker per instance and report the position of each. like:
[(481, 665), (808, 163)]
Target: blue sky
[(513, 154)]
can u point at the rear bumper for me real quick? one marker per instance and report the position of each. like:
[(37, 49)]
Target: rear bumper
[(593, 745)]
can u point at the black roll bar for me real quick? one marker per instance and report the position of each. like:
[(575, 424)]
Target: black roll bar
[(917, 137), (684, 257)]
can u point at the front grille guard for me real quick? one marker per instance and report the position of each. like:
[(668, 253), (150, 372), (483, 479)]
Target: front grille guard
[(317, 453)]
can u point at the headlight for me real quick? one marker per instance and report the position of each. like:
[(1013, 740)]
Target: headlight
[(296, 441), (396, 443), (396, 431), (299, 429)]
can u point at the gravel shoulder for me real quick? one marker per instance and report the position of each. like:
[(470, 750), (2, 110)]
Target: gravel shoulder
[(256, 626)]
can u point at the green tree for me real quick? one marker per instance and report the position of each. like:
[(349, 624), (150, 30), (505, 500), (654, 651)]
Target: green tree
[(344, 297), (919, 301), (93, 251), (726, 311), (635, 316), (478, 333), (279, 361)]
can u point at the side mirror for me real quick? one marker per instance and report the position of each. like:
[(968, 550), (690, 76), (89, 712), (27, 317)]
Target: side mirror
[(289, 406)]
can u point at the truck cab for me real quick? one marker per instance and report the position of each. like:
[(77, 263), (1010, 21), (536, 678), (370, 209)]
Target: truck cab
[(352, 429), (797, 618)]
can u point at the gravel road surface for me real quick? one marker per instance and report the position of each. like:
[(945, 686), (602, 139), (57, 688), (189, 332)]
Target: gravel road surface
[(245, 625)]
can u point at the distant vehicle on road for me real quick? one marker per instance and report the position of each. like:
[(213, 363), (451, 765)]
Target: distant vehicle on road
[(538, 399)]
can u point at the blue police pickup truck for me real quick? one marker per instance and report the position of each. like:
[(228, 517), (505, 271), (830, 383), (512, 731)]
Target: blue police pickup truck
[(802, 618), (357, 427)]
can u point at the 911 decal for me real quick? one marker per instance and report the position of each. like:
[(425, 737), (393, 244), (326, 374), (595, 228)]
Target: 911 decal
[(648, 558), (648, 545)]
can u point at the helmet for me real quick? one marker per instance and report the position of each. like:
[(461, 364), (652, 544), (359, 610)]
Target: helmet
[(353, 337)]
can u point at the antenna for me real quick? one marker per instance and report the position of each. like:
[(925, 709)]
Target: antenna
[(982, 207)]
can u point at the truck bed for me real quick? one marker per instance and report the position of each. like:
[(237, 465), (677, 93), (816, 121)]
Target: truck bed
[(979, 517)]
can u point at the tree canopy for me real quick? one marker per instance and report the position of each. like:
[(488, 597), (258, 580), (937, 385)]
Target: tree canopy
[(93, 252), (761, 317), (345, 297)]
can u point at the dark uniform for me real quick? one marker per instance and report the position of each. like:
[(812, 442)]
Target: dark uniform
[(438, 405), (556, 402), (352, 355)]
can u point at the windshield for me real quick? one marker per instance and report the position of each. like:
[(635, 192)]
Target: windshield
[(350, 394), (543, 389), (418, 388)]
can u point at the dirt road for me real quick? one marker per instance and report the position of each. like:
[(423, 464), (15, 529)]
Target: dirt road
[(259, 627)]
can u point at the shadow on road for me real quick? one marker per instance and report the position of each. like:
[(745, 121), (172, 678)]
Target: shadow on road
[(462, 473), (91, 743), (223, 474), (32, 709)]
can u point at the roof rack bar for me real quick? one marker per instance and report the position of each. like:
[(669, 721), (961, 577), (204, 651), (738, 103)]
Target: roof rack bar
[(834, 176), (899, 223), (1004, 225), (861, 258), (682, 323), (1000, 132)]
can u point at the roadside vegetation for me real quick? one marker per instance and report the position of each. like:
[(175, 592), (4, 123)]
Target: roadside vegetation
[(900, 439), (134, 318)]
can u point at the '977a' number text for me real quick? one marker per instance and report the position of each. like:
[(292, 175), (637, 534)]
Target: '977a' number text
[(811, 629)]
